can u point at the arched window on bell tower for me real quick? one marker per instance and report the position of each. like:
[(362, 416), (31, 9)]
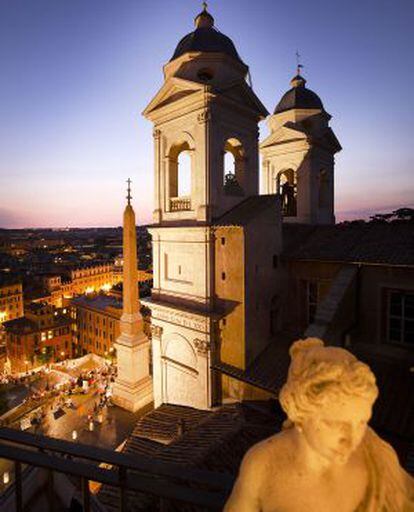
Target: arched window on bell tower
[(180, 177), (184, 174), (286, 188), (233, 167)]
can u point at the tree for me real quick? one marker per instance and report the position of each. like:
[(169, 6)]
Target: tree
[(399, 215)]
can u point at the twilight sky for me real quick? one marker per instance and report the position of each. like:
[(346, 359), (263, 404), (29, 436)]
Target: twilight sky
[(76, 75)]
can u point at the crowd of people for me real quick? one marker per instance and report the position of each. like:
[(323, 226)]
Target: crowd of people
[(54, 389)]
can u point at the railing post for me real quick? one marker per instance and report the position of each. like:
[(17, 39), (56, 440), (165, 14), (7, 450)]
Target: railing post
[(50, 491), (122, 490), (18, 486), (86, 498)]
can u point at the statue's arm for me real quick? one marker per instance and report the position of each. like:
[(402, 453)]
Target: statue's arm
[(245, 493)]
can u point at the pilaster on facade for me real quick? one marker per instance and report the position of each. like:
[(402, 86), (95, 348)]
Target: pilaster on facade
[(182, 351)]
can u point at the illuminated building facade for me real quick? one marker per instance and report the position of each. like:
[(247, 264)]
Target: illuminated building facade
[(43, 335), (97, 323), (11, 300), (91, 279)]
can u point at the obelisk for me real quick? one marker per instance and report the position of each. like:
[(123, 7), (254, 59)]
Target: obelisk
[(133, 386)]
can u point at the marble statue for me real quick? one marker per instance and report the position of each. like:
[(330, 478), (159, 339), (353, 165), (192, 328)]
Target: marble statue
[(326, 459)]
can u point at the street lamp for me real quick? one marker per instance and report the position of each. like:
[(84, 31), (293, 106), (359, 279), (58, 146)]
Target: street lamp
[(6, 477), (91, 426), (74, 435)]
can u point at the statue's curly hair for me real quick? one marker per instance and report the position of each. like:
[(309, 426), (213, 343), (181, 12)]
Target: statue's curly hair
[(319, 375)]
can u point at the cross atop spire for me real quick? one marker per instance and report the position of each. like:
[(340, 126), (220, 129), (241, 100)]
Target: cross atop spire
[(204, 19), (299, 66), (129, 197)]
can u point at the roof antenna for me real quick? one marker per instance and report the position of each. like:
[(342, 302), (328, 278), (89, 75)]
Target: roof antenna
[(129, 197), (299, 66)]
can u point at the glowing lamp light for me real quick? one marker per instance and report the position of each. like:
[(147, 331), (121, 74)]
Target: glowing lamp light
[(89, 289), (6, 477), (100, 418), (62, 354), (106, 287), (3, 316), (91, 426), (74, 435)]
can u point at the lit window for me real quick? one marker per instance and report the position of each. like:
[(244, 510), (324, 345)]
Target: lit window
[(400, 317), (43, 336), (50, 334)]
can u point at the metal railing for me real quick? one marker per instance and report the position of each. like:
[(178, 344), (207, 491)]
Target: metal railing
[(178, 204), (142, 474)]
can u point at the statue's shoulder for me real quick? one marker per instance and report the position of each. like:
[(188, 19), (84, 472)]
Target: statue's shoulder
[(270, 451)]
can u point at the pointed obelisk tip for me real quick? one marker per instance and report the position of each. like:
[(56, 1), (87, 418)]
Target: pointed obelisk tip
[(129, 197)]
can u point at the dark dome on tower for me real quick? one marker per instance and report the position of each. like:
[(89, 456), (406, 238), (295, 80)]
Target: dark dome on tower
[(206, 38), (299, 97)]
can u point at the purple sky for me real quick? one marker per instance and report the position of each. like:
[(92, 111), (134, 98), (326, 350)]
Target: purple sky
[(76, 75)]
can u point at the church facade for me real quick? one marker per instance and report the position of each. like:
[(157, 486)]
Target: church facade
[(231, 290)]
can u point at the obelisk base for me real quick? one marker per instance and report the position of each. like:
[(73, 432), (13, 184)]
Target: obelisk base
[(132, 398), (133, 386)]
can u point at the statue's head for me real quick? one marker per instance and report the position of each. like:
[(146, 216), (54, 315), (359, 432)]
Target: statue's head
[(328, 396)]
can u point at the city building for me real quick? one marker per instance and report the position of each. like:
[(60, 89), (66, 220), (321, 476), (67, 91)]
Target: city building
[(97, 323), (58, 287), (90, 279), (11, 298), (43, 335)]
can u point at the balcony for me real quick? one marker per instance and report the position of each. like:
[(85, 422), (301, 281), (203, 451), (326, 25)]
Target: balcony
[(39, 460), (180, 204)]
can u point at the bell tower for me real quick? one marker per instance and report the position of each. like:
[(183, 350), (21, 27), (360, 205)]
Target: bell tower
[(205, 119), (298, 156), (204, 109)]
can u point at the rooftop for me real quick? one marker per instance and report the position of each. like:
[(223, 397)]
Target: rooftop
[(247, 210), (299, 97), (213, 440), (206, 38), (23, 325), (99, 302), (9, 279), (365, 242)]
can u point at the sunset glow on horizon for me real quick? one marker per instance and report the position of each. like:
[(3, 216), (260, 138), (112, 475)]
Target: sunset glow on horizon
[(79, 74)]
